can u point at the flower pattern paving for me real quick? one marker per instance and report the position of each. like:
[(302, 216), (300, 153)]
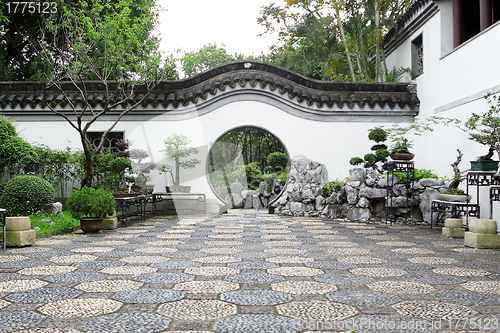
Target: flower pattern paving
[(369, 298), (11, 321), (148, 296), (43, 295), (126, 323), (257, 323), (276, 275)]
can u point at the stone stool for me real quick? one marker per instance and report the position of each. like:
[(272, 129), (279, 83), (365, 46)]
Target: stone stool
[(453, 228), (19, 232), (482, 234), (110, 222)]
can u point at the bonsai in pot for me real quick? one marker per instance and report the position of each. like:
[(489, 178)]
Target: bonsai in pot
[(141, 170), (400, 135), (91, 205), (453, 193), (176, 148), (485, 129)]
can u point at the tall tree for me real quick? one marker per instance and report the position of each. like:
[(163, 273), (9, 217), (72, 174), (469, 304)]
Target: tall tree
[(105, 42), (209, 56), (20, 31)]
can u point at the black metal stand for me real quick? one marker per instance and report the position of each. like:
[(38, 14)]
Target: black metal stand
[(494, 196), (409, 169), (478, 179), (2, 225), (455, 209)]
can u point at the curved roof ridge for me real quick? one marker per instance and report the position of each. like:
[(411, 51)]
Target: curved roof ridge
[(235, 75)]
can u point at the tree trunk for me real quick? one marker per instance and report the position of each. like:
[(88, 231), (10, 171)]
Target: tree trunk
[(378, 62), (177, 176), (341, 27)]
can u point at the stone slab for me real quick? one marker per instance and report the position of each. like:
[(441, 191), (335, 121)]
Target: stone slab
[(20, 238), (18, 223), (481, 241), (110, 223), (453, 232)]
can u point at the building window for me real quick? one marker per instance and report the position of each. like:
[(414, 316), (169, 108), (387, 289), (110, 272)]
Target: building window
[(417, 56), (470, 17), (110, 140)]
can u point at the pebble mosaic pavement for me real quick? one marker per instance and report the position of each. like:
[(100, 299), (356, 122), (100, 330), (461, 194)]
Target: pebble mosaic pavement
[(249, 271)]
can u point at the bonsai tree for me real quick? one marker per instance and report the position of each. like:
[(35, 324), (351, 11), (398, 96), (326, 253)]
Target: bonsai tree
[(380, 152), (485, 128), (400, 135), (141, 169), (91, 203), (176, 147), (457, 178)]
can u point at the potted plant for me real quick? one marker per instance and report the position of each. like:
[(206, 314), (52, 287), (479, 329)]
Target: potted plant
[(400, 135), (176, 147), (140, 174), (485, 129), (118, 167), (453, 193), (91, 205)]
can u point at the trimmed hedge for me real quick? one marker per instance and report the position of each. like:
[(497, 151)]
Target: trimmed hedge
[(25, 195)]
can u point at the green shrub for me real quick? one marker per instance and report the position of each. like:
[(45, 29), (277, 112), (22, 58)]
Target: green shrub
[(25, 195), (277, 161), (254, 176), (356, 161), (333, 186), (377, 134), (419, 174), (91, 202), (60, 223)]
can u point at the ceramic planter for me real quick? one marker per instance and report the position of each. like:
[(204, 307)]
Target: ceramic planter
[(178, 189), (454, 197), (143, 189), (402, 156), (91, 225), (484, 165)]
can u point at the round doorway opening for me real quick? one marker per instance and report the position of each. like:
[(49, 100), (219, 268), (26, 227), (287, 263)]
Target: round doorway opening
[(248, 167)]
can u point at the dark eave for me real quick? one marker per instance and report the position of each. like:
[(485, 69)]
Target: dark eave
[(237, 75)]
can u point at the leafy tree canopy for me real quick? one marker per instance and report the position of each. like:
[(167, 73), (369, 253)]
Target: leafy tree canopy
[(209, 56)]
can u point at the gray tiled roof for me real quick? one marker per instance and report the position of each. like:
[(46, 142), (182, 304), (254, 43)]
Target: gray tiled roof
[(247, 75)]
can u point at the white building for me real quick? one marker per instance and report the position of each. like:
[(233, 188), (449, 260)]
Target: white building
[(453, 50)]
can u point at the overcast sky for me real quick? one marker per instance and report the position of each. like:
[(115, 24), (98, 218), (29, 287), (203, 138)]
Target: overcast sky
[(190, 24)]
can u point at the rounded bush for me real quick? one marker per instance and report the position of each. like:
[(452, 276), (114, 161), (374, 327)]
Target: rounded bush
[(377, 134), (382, 154), (356, 161), (91, 202), (277, 161), (25, 195)]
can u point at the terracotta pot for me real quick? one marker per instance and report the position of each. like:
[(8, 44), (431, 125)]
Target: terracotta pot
[(91, 225), (402, 156)]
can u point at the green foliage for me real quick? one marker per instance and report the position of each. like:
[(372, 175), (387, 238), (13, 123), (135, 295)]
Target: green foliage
[(277, 161), (485, 128), (254, 176), (209, 56), (377, 134), (401, 135), (176, 147), (20, 56), (15, 152), (331, 187), (58, 225), (419, 174), (356, 161), (110, 169), (25, 195), (91, 202)]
